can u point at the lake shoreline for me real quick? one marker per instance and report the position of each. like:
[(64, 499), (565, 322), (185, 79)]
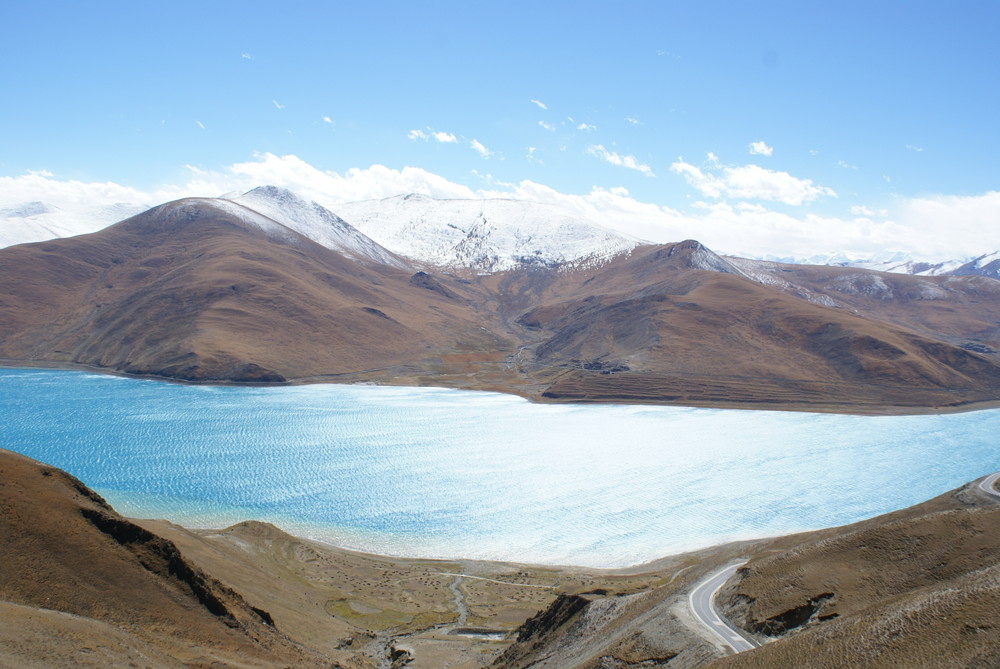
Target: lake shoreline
[(352, 378)]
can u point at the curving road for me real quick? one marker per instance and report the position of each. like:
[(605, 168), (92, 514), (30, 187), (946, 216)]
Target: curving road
[(701, 601), (986, 485)]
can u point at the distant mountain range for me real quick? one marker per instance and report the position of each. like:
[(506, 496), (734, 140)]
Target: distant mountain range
[(266, 287), (899, 263), (483, 235)]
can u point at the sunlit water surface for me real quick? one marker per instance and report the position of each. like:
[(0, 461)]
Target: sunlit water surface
[(444, 473)]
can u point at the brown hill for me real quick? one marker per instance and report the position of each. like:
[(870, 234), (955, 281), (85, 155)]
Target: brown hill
[(916, 588), (191, 290), (97, 589), (206, 291)]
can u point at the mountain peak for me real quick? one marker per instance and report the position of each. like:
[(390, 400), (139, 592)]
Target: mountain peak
[(316, 222), (484, 236)]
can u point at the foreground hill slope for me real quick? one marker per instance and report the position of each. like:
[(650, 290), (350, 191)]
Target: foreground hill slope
[(91, 588), (212, 290), (916, 588), (82, 586)]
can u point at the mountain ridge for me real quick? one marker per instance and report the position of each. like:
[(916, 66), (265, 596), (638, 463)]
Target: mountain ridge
[(210, 290), (454, 242)]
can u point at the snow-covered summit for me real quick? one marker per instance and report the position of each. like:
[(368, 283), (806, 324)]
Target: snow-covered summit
[(315, 222), (483, 235), (902, 263)]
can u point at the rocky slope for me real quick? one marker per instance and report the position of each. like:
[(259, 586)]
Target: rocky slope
[(82, 586), (915, 588), (918, 588)]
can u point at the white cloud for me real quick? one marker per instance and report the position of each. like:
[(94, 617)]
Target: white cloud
[(43, 186), (846, 165), (327, 119), (547, 126), (917, 149), (930, 228), (860, 210), (540, 104), (246, 56), (941, 223), (632, 120), (477, 146), (200, 124), (277, 105), (760, 149), (587, 127), (750, 182), (531, 155), (622, 161), (443, 137)]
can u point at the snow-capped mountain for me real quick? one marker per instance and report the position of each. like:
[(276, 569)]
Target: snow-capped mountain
[(315, 222), (483, 235), (39, 221), (984, 265), (901, 263)]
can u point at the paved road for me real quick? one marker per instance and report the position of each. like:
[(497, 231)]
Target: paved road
[(702, 604), (986, 485)]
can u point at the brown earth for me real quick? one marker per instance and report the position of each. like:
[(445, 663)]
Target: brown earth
[(78, 581), (189, 291), (916, 588)]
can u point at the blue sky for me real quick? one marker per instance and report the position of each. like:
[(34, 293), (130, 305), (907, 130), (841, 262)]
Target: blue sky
[(766, 125)]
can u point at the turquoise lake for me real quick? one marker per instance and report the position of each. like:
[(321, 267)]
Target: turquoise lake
[(444, 473)]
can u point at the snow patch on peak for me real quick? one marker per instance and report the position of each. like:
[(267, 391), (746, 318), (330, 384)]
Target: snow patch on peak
[(28, 209), (484, 235), (315, 222), (247, 216)]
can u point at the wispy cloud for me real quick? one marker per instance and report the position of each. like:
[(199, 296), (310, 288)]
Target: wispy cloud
[(246, 56), (917, 149), (532, 158), (200, 124), (860, 210), (760, 149), (277, 105), (631, 120), (622, 161), (541, 105), (327, 119), (750, 182), (478, 147), (846, 165), (547, 126), (587, 127), (438, 136)]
